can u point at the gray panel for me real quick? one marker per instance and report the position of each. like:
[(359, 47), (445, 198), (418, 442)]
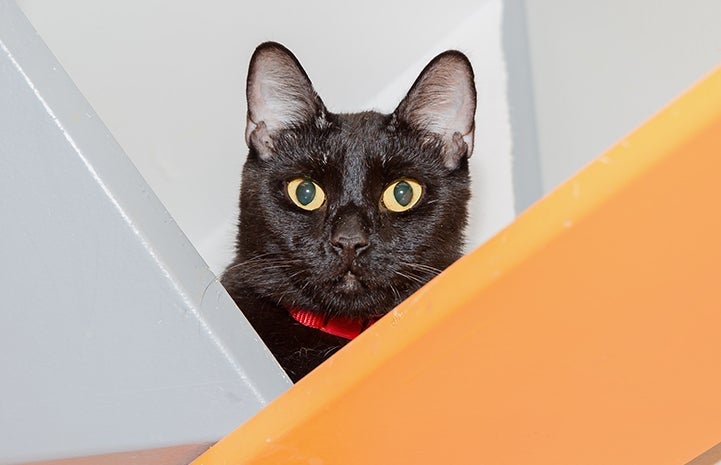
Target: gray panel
[(600, 68), (111, 341), (527, 186)]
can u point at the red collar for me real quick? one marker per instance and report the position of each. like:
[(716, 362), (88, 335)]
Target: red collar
[(345, 327)]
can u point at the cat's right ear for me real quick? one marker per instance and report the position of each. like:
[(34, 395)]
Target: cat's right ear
[(280, 96)]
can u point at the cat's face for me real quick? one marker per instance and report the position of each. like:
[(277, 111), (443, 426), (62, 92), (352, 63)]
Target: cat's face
[(350, 214)]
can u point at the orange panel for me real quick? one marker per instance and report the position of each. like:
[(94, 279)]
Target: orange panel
[(589, 331)]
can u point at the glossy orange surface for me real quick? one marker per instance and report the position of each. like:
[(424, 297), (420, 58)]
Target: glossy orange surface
[(587, 332)]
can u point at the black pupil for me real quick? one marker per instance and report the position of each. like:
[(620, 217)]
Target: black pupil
[(403, 193), (305, 192)]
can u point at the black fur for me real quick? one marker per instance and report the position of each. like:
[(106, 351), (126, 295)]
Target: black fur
[(285, 255)]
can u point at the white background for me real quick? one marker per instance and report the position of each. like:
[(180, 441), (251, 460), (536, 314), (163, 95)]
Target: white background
[(168, 79)]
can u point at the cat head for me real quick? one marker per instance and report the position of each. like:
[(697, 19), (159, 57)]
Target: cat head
[(348, 214)]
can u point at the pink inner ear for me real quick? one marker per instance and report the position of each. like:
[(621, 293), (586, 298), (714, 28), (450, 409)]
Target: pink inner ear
[(273, 101), (279, 93), (446, 102), (443, 101)]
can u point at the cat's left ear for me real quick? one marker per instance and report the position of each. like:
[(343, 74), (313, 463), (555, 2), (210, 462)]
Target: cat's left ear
[(442, 101)]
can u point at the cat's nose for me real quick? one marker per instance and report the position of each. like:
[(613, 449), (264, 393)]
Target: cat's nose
[(357, 242), (349, 235)]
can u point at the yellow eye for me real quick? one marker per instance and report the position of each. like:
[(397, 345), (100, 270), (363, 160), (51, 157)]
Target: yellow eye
[(402, 195), (306, 194)]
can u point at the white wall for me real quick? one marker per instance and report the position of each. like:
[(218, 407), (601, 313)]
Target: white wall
[(168, 78), (600, 68)]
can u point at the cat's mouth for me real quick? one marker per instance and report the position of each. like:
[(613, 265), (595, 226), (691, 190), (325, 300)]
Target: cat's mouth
[(349, 280), (353, 292), (350, 283)]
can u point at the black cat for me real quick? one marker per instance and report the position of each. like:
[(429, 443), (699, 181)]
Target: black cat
[(342, 216)]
